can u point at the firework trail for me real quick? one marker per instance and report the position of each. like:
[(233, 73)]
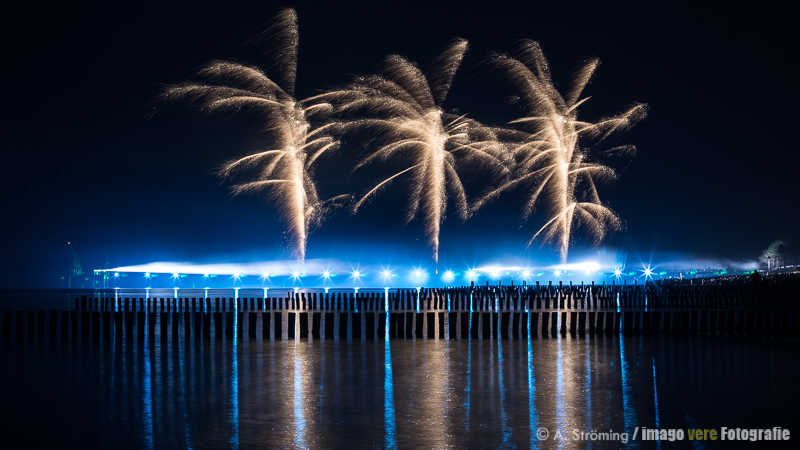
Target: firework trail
[(560, 173), (403, 110), (282, 172)]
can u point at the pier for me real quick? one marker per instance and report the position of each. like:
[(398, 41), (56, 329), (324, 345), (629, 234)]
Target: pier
[(485, 312)]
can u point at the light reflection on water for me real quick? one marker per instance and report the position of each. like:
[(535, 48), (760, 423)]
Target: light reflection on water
[(433, 393)]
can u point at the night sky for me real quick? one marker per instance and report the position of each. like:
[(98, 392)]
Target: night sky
[(85, 161)]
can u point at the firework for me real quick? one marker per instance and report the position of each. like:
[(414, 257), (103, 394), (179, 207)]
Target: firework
[(550, 161), (282, 171), (403, 110)]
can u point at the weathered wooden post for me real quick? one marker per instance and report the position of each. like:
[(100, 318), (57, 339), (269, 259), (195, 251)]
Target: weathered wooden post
[(204, 323), (265, 319), (163, 322), (329, 318), (545, 324), (369, 322), (278, 325), (290, 324), (229, 325), (251, 324), (343, 319), (356, 325)]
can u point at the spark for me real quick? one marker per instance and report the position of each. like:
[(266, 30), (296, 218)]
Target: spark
[(403, 108), (560, 173), (281, 171)]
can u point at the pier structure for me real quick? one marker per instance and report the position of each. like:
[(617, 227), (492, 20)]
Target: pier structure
[(484, 312)]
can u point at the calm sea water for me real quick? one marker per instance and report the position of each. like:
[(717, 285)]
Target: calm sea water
[(396, 393)]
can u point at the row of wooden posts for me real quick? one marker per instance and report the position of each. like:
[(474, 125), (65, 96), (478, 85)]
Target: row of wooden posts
[(494, 300), (280, 325)]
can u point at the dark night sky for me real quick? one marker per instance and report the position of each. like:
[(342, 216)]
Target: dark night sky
[(714, 175)]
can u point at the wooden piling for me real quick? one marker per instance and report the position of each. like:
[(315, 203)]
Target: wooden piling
[(356, 325), (163, 325), (265, 322), (545, 324), (278, 326), (370, 325), (329, 317), (381, 325), (316, 319), (343, 316)]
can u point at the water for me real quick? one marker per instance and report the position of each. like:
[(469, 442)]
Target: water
[(405, 393)]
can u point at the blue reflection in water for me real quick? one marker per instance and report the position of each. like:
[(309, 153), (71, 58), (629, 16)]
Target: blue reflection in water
[(234, 402), (467, 389), (561, 395), (629, 412), (533, 415), (186, 427), (587, 389), (390, 426), (655, 395), (692, 423), (299, 409), (503, 410), (148, 391)]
